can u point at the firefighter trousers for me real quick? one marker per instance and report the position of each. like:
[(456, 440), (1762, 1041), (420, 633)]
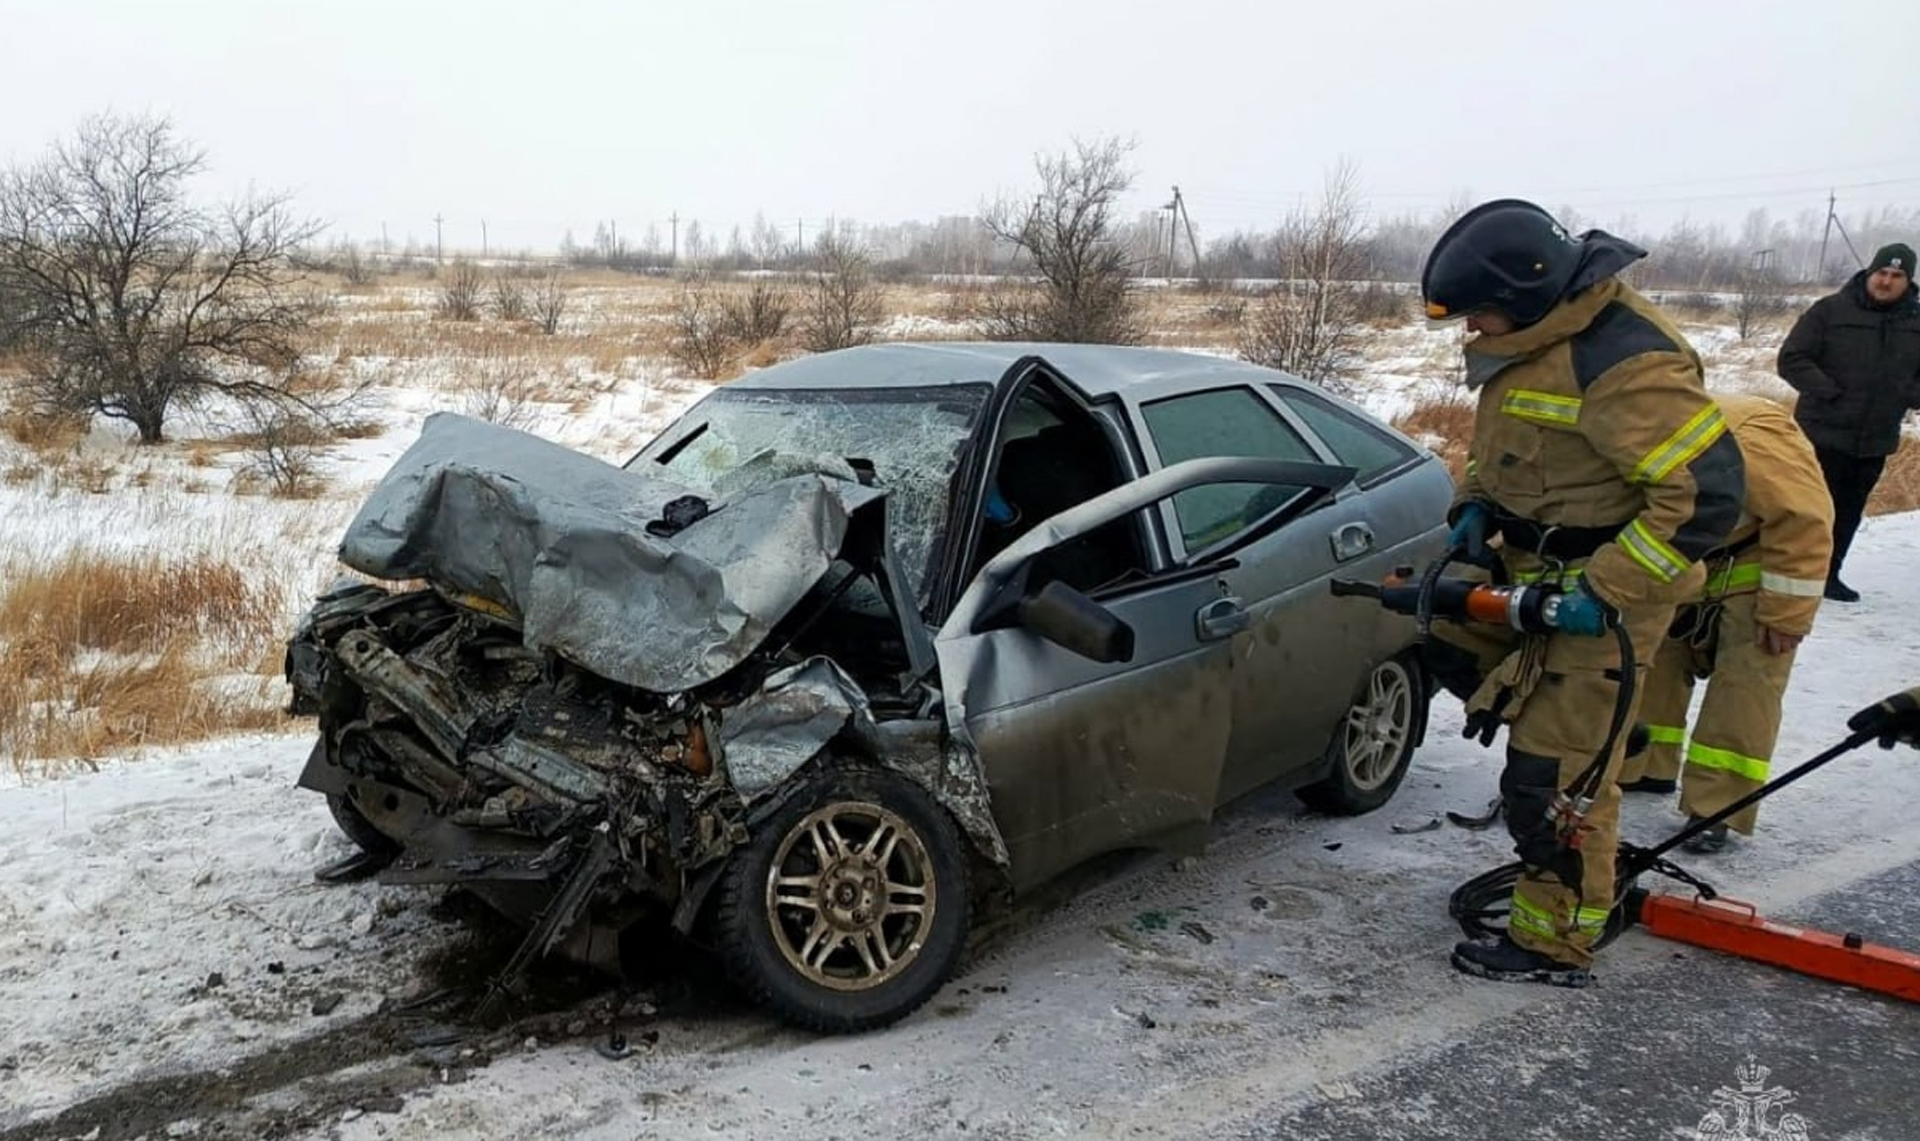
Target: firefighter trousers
[(1560, 699), (1739, 721)]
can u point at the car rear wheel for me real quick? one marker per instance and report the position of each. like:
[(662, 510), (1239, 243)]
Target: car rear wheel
[(1372, 747), (848, 908)]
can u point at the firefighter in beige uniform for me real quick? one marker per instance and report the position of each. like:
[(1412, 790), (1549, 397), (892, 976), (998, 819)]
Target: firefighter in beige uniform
[(1600, 462), (1762, 591)]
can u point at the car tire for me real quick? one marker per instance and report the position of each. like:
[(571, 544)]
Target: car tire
[(830, 934), (359, 829), (1373, 746)]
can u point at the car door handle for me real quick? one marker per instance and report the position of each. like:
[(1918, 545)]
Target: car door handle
[(1351, 540), (1221, 618)]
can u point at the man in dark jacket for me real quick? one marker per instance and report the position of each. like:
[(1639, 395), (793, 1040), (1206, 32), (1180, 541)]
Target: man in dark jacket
[(1854, 356)]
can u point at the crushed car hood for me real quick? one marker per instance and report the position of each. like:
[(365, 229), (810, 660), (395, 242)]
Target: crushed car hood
[(587, 557)]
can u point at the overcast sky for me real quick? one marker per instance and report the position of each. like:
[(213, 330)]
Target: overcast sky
[(545, 117)]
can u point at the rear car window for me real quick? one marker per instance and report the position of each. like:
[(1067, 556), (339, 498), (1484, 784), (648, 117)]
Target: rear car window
[(1371, 452), (1223, 422)]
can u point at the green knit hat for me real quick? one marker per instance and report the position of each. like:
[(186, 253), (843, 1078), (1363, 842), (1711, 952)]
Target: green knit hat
[(1897, 255)]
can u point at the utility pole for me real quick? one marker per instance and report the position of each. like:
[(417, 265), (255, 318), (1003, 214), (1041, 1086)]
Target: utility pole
[(1187, 220), (483, 237), (439, 245), (673, 258), (800, 235), (1173, 227), (1820, 271), (383, 237)]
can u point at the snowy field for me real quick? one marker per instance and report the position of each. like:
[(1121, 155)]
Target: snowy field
[(169, 969)]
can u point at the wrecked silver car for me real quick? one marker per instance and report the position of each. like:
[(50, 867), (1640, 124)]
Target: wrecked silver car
[(862, 644)]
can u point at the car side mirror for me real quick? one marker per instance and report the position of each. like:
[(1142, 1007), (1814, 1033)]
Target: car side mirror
[(1072, 621)]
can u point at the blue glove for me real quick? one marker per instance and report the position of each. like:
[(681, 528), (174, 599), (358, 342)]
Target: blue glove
[(1582, 612), (1470, 527)]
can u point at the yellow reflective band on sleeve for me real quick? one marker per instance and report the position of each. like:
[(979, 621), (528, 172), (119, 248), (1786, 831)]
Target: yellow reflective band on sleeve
[(1541, 407), (1739, 576), (1531, 919), (1661, 561), (1590, 920), (1726, 760), (1473, 466), (1796, 587), (1694, 437), (1666, 734)]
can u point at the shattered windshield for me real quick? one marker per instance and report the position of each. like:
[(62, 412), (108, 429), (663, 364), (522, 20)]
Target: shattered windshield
[(909, 438)]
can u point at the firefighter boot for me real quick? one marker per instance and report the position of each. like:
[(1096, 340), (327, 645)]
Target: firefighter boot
[(1508, 962), (1705, 843)]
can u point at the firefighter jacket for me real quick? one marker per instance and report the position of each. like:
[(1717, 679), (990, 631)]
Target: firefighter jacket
[(1594, 431), (1782, 542)]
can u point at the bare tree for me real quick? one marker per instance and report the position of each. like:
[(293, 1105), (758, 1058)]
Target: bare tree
[(1067, 236), (842, 305), (1308, 323), (549, 303), (460, 291), (134, 299)]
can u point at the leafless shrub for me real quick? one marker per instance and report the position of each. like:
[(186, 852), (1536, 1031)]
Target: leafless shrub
[(759, 314), (842, 304), (1756, 302), (1228, 309), (549, 303), (460, 289), (131, 298), (510, 301), (503, 390), (1694, 306), (353, 268), (702, 344), (1308, 323), (284, 446), (1068, 238), (1381, 305)]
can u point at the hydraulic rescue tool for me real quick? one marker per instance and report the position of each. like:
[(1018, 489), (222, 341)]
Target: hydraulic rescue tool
[(1481, 905)]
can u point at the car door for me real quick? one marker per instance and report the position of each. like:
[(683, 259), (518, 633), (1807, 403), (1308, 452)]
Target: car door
[(1084, 756), (1304, 653)]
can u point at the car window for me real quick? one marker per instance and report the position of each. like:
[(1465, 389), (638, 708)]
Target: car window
[(1223, 422), (1356, 443), (906, 440)]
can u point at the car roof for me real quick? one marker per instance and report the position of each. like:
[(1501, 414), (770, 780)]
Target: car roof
[(1098, 370)]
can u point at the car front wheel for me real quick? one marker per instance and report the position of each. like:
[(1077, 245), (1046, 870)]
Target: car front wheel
[(1373, 746), (848, 907)]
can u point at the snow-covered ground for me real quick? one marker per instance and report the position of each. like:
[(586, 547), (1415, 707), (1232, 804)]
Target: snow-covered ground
[(168, 967), (1298, 954)]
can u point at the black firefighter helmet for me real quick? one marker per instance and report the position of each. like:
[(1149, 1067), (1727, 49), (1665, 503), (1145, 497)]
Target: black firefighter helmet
[(1506, 254)]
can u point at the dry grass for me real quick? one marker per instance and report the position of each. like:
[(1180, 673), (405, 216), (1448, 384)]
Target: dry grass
[(41, 433), (1899, 486), (1446, 426), (106, 653)]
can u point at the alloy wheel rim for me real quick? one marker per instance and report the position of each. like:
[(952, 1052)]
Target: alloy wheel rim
[(850, 896), (1379, 726)]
